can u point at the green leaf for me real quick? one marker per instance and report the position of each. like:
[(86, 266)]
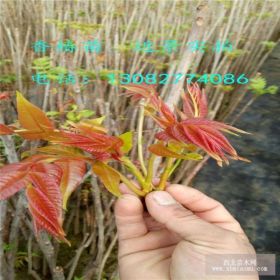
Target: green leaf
[(25, 154), (269, 45), (235, 53), (193, 156), (42, 64), (257, 84), (72, 116), (272, 89), (127, 139), (7, 78), (8, 247), (86, 113), (226, 88), (52, 113), (97, 121), (74, 107)]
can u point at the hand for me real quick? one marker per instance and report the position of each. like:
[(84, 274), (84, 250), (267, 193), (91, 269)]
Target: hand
[(171, 240)]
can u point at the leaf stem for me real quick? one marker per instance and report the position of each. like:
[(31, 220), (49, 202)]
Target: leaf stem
[(177, 163), (139, 138), (131, 186), (150, 173), (165, 174), (134, 170)]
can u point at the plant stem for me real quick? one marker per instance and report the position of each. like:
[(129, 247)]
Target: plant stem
[(178, 161), (134, 170), (149, 177), (139, 138), (131, 186), (165, 174)]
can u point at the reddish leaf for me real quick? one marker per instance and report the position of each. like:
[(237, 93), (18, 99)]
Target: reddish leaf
[(64, 152), (44, 212), (92, 125), (5, 130), (101, 146), (12, 183), (191, 126), (14, 167), (167, 113), (13, 177), (39, 158), (73, 173), (140, 91), (195, 102), (4, 95), (32, 134), (47, 178)]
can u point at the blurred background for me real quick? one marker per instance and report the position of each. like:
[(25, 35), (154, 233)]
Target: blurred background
[(47, 48)]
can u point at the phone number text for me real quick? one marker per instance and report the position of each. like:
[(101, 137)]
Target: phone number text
[(163, 79)]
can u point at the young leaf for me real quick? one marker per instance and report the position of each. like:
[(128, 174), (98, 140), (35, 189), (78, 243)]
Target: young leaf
[(47, 177), (40, 158), (44, 212), (87, 126), (160, 149), (72, 116), (52, 114), (178, 146), (108, 176), (33, 119), (13, 178), (97, 121), (62, 151), (102, 146), (12, 183), (138, 92), (73, 173), (4, 95), (5, 130), (86, 113), (127, 139), (16, 176)]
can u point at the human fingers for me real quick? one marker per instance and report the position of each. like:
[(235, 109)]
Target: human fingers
[(176, 218), (129, 217), (204, 207)]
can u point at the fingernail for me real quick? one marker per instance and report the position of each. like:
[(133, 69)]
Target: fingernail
[(163, 198)]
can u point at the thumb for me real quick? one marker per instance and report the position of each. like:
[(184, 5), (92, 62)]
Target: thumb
[(166, 210), (129, 217)]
